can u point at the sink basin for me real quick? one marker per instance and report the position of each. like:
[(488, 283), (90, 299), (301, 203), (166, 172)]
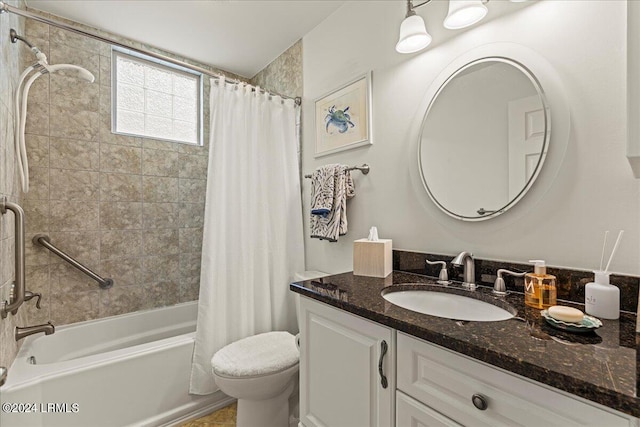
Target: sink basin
[(448, 305)]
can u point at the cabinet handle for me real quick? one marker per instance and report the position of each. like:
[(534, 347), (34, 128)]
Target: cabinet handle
[(383, 351), (479, 401)]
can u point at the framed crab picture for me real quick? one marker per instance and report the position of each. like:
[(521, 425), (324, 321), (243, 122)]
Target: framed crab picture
[(343, 117)]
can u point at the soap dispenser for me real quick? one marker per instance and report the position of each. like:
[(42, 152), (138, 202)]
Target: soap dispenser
[(601, 299), (539, 287)]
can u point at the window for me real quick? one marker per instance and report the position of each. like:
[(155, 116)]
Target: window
[(155, 99)]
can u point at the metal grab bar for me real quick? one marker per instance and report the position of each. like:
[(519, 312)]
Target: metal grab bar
[(17, 293), (45, 241)]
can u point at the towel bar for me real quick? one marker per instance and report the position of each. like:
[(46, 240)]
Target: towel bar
[(364, 169)]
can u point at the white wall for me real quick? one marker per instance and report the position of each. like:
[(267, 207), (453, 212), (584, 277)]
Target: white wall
[(594, 190)]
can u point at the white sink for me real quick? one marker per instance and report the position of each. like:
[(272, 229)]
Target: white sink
[(447, 305)]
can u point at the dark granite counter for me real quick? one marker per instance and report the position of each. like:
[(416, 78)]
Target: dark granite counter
[(600, 366)]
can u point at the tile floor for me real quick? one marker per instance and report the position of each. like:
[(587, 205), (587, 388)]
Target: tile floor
[(225, 417)]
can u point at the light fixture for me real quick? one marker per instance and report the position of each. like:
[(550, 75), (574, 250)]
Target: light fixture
[(413, 33), (463, 13)]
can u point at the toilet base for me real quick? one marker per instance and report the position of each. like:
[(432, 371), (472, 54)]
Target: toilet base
[(272, 412)]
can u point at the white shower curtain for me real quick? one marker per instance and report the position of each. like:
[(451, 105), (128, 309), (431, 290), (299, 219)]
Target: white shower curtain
[(253, 241)]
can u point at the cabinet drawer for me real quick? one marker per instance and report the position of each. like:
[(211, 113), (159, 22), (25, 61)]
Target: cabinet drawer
[(446, 382), (410, 412)]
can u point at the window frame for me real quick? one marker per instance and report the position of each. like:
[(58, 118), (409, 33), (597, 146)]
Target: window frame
[(158, 63)]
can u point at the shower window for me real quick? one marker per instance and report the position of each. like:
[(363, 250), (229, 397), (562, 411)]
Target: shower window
[(155, 99)]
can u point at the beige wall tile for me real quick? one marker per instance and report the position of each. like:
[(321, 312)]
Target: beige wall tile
[(37, 150), (81, 245), (160, 215), (160, 189), (37, 216), (67, 89), (39, 90), (35, 29), (161, 294), (161, 242), (73, 123), (122, 159), (120, 244), (191, 215), (120, 215), (74, 154), (161, 269), (193, 190), (61, 54), (190, 240), (68, 280), (119, 300), (37, 121), (37, 280), (82, 306), (105, 71), (123, 271), (38, 183), (156, 144), (68, 184), (73, 215), (62, 37), (193, 166), (120, 187), (189, 291), (160, 163), (34, 255), (190, 267)]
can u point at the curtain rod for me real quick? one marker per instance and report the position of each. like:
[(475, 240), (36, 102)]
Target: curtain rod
[(37, 17)]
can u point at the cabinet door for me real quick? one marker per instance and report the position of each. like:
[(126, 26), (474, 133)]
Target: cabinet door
[(340, 384), (451, 384), (410, 413)]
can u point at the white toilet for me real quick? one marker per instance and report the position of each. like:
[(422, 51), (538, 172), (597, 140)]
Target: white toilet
[(261, 372)]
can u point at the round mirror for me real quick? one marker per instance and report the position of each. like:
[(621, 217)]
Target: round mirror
[(484, 138)]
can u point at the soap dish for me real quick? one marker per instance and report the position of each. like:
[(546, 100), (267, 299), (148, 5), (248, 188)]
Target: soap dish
[(589, 323)]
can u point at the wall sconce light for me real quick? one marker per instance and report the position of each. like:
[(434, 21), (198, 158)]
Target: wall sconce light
[(413, 33)]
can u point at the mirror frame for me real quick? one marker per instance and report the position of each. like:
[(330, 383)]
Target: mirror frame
[(436, 88)]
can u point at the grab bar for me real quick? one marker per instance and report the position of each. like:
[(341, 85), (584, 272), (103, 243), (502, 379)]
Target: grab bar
[(16, 297), (44, 240)]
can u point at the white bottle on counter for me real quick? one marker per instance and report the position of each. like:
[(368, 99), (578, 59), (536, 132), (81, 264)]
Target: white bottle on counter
[(601, 299)]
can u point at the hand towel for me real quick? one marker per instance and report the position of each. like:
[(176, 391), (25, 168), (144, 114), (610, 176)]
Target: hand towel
[(334, 223), (322, 189)]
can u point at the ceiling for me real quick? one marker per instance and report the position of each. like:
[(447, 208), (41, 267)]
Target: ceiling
[(241, 36)]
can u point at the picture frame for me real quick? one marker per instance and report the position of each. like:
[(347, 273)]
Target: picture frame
[(343, 117)]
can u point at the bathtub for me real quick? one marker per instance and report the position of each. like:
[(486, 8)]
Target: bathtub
[(127, 370)]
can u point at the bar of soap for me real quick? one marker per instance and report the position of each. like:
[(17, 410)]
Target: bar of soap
[(566, 314)]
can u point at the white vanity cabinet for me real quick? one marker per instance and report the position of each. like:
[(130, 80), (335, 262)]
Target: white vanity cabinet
[(340, 379), (456, 390)]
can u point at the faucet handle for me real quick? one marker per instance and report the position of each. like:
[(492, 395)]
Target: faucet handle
[(499, 288), (443, 277), (28, 295)]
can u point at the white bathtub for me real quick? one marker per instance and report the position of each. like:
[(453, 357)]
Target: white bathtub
[(128, 370)]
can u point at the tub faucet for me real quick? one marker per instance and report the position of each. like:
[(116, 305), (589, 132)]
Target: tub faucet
[(47, 328), (466, 259)]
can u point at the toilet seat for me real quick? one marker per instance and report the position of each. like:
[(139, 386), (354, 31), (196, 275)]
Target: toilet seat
[(258, 355)]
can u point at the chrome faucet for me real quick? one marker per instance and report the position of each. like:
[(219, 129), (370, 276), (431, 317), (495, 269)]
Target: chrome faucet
[(466, 259), (47, 328)]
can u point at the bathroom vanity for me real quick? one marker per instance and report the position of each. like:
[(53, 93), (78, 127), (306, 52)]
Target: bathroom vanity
[(365, 361)]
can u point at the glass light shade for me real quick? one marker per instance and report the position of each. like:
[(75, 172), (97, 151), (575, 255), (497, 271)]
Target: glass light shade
[(463, 13), (413, 35)]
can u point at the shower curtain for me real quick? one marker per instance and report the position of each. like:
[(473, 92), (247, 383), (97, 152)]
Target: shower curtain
[(253, 241)]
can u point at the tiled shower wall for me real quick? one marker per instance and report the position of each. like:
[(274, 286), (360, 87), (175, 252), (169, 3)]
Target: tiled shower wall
[(128, 208), (284, 74), (9, 70)]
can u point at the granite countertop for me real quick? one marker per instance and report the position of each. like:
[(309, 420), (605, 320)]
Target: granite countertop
[(599, 366)]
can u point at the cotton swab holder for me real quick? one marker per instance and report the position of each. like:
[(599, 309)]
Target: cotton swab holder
[(602, 299)]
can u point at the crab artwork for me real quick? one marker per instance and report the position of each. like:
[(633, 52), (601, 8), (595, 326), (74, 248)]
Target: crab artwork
[(338, 118)]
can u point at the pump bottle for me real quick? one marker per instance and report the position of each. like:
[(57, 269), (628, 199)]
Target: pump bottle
[(539, 287)]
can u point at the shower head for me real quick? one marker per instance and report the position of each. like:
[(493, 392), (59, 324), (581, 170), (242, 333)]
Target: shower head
[(83, 73)]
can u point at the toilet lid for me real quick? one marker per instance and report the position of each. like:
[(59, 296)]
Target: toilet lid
[(261, 354)]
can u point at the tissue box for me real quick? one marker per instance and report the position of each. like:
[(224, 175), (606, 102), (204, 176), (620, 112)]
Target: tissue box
[(373, 259)]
